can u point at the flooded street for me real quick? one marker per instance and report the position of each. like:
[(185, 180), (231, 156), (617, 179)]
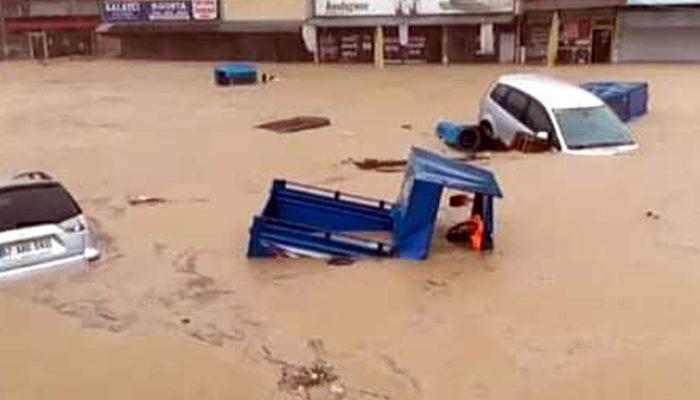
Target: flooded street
[(585, 297)]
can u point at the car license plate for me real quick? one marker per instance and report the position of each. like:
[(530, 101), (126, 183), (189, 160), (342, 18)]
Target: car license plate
[(26, 248)]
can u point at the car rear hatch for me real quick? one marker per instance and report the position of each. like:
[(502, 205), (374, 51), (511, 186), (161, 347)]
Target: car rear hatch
[(39, 223)]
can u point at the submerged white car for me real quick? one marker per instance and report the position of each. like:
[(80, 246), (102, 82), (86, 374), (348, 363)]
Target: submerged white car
[(41, 225), (570, 118)]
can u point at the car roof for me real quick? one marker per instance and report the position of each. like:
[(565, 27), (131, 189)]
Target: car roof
[(551, 92), (23, 180)]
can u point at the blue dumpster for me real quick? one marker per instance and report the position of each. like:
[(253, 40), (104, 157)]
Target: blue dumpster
[(304, 221), (628, 99), (235, 74)]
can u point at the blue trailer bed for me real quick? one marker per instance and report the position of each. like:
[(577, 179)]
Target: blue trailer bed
[(305, 221)]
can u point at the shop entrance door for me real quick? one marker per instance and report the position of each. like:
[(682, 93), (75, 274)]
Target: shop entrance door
[(506, 48), (602, 46), (38, 45)]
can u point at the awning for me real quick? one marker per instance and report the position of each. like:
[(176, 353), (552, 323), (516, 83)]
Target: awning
[(24, 24), (243, 26), (569, 4), (331, 22)]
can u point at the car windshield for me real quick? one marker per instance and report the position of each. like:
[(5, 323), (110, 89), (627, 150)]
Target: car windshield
[(35, 205), (585, 128)]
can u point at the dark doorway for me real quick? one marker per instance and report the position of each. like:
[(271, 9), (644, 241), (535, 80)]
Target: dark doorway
[(602, 46), (38, 45)]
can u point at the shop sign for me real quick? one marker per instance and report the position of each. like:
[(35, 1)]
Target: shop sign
[(354, 8), (204, 10), (435, 7), (661, 2), (159, 10)]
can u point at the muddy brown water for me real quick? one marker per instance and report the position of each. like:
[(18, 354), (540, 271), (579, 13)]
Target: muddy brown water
[(585, 296)]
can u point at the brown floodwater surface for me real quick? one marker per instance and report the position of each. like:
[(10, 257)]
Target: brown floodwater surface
[(585, 297)]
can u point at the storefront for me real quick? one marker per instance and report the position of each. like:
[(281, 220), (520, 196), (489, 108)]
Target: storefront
[(193, 30), (55, 36), (659, 34), (414, 31), (585, 36), (260, 41)]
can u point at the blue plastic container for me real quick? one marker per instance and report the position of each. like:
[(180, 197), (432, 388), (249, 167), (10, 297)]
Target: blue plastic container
[(236, 74), (628, 99), (466, 137), (449, 132)]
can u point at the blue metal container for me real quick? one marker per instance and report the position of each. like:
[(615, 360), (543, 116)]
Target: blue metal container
[(628, 99), (236, 74)]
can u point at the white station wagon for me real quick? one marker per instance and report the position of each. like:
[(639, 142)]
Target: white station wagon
[(41, 225), (572, 119)]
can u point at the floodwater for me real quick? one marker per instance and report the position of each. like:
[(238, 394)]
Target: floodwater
[(585, 297)]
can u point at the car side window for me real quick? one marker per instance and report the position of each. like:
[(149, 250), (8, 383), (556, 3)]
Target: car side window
[(499, 93), (536, 118), (516, 103)]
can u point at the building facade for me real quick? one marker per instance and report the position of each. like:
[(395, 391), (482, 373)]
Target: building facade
[(48, 28), (659, 31), (412, 31), (207, 29), (587, 30)]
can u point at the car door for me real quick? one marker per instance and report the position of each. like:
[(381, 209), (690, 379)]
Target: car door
[(493, 111), (510, 121), (537, 119)]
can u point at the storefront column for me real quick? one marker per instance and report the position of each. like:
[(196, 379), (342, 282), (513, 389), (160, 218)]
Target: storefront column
[(445, 46), (31, 45), (45, 40), (379, 47)]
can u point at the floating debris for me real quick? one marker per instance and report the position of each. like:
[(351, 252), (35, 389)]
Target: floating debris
[(145, 200), (378, 165), (295, 124), (299, 379), (340, 261), (142, 200), (652, 215)]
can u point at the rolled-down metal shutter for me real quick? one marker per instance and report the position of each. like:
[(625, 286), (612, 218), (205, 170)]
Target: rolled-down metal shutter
[(659, 36)]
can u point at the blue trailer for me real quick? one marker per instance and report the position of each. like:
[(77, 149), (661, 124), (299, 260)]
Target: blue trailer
[(628, 99), (304, 221)]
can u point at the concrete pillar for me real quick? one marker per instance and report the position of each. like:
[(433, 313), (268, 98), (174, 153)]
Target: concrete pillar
[(445, 46), (31, 45), (3, 33), (317, 49), (379, 47), (45, 40)]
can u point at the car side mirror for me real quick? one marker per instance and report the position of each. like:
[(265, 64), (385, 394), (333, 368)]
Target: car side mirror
[(542, 135)]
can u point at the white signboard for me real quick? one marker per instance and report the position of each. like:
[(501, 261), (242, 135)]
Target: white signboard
[(661, 2), (355, 8), (204, 10), (433, 7)]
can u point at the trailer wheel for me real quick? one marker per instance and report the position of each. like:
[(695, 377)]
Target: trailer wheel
[(470, 138)]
